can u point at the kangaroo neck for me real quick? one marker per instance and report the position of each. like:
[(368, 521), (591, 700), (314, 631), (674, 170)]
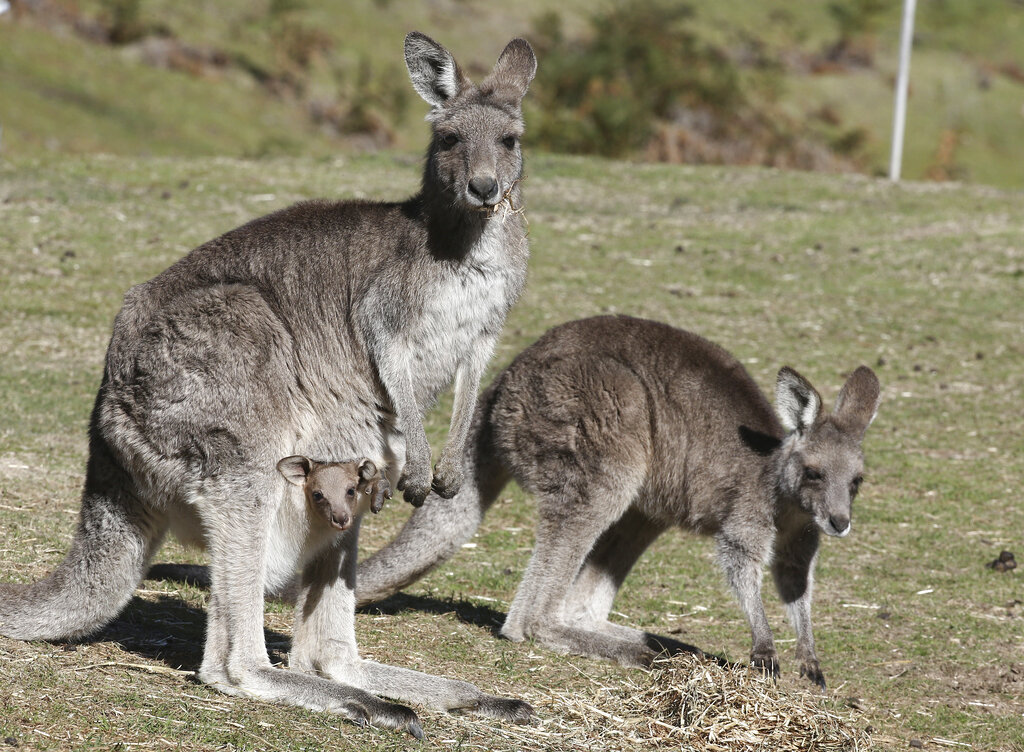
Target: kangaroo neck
[(452, 233), (455, 231)]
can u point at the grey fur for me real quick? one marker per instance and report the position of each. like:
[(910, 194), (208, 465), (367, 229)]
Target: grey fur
[(623, 428), (325, 329)]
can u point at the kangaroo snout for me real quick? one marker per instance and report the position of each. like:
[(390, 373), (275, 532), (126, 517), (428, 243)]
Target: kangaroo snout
[(838, 525), (484, 188), (340, 521)]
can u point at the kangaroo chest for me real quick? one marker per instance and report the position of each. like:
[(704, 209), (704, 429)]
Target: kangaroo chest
[(461, 315)]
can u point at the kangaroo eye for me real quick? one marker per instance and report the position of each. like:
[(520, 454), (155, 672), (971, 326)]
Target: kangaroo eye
[(350, 492), (510, 142), (812, 474), (449, 140), (317, 496), (855, 483)]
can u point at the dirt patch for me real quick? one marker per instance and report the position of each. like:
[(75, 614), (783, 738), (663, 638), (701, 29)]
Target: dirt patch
[(995, 689), (1005, 680)]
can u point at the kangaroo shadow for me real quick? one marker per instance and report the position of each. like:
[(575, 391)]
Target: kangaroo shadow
[(465, 610), (168, 630), (194, 575), (469, 612), (492, 619)]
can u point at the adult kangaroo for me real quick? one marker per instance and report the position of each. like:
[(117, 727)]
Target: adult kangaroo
[(623, 428), (324, 330)]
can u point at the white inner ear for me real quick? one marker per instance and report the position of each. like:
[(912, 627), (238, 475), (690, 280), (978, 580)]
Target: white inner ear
[(810, 411), (446, 81), (293, 477), (792, 415), (432, 70), (293, 470), (786, 407), (874, 415), (367, 470)]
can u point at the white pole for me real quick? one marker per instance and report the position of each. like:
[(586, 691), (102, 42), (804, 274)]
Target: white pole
[(900, 109)]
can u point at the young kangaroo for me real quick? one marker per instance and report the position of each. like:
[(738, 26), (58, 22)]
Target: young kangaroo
[(325, 329), (624, 428), (337, 492), (335, 495)]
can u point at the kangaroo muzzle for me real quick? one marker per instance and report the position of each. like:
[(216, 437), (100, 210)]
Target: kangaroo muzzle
[(484, 188)]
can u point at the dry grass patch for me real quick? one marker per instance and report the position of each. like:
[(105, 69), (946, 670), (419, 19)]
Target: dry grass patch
[(693, 704)]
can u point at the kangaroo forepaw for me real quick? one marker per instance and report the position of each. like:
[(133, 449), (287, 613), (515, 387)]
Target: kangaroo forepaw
[(448, 477), (415, 487), (767, 662), (812, 671), (380, 491)]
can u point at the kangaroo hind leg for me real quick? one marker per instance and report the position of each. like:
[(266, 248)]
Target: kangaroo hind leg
[(568, 531), (592, 594), (324, 644), (437, 692), (235, 659), (602, 574)]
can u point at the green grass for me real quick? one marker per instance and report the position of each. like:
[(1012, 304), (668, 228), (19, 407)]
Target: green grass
[(62, 94), (922, 282)]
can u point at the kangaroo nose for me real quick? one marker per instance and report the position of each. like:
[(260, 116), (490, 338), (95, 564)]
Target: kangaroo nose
[(340, 521), (484, 188), (840, 523)]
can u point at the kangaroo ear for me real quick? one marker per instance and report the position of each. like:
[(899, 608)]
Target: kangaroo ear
[(858, 401), (367, 470), (295, 469), (435, 75), (515, 69), (796, 401)]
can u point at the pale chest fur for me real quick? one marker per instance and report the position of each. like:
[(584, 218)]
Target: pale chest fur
[(287, 537), (461, 316)]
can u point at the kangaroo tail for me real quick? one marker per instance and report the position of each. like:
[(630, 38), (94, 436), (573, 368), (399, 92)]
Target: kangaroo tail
[(108, 557), (436, 531)]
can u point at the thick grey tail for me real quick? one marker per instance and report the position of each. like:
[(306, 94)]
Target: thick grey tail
[(437, 530), (108, 557)]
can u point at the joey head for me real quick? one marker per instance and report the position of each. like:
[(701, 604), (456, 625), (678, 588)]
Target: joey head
[(335, 491)]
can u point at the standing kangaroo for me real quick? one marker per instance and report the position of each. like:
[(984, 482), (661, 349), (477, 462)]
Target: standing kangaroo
[(623, 428), (325, 329)]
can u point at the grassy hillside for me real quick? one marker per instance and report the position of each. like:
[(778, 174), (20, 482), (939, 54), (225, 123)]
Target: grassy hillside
[(918, 638), (294, 76), (64, 94)]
